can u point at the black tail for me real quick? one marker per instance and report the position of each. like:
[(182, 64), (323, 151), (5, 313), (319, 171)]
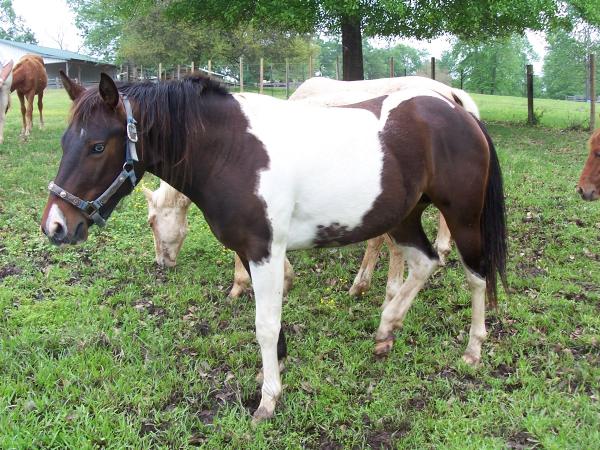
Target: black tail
[(493, 226)]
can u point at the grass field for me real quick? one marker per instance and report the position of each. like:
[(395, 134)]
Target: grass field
[(100, 349)]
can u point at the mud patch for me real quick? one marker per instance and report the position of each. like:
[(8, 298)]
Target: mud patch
[(9, 270), (522, 440), (386, 436)]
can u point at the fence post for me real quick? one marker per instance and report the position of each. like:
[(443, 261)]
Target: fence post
[(592, 92), (337, 67), (241, 74), (261, 76), (392, 71), (159, 71), (209, 68), (310, 66), (178, 72), (433, 67), (530, 116), (141, 72), (192, 66), (287, 78)]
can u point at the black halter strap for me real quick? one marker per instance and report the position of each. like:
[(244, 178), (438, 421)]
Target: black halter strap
[(92, 208)]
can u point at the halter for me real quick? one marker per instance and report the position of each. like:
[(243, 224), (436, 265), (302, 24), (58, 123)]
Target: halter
[(91, 209)]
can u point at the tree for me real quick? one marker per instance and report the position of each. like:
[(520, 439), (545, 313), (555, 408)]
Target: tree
[(141, 32), (353, 19), (494, 67), (565, 64), (12, 26)]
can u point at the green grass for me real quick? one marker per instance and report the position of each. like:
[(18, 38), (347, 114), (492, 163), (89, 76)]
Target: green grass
[(98, 348)]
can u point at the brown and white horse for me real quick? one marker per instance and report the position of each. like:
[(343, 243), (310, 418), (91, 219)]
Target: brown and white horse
[(272, 176), (589, 181), (30, 79), (169, 227), (5, 83)]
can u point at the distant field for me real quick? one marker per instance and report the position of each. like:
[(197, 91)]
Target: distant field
[(552, 113), (100, 349)]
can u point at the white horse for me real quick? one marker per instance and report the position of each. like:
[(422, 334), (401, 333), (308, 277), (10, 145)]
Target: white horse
[(5, 84), (167, 207)]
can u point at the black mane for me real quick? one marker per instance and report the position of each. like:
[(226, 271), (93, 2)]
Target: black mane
[(171, 114)]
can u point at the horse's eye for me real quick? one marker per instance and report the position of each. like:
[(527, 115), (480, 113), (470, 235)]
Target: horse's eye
[(98, 148)]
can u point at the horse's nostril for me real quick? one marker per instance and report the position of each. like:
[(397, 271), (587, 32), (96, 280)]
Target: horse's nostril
[(58, 231)]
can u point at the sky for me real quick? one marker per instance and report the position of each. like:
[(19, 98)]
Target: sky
[(52, 22)]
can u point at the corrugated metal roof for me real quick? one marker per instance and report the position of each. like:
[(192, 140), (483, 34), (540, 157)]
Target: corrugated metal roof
[(53, 52)]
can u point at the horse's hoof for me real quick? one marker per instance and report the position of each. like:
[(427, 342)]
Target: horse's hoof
[(383, 347), (260, 415), (359, 288), (471, 360), (235, 292)]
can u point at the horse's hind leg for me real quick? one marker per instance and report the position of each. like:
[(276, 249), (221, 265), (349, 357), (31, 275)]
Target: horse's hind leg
[(443, 241), (23, 112), (467, 236), (40, 108), (29, 121), (362, 282), (422, 262)]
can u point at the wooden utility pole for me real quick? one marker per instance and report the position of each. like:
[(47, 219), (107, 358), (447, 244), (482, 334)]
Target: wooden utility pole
[(287, 78), (433, 67), (241, 74), (530, 115), (592, 92), (261, 76)]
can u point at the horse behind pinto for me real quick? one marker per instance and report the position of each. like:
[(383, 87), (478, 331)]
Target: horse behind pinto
[(589, 181), (30, 79), (272, 176)]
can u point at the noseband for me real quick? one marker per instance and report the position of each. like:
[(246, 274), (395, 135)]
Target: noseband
[(91, 209)]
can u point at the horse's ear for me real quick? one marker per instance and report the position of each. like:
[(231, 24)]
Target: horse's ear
[(108, 91), (73, 89), (5, 71)]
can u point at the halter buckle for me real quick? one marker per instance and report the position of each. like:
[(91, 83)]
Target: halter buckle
[(132, 131)]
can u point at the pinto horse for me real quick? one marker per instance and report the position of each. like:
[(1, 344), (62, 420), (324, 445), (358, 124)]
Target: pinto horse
[(5, 83), (167, 208), (30, 79), (589, 181), (272, 176)]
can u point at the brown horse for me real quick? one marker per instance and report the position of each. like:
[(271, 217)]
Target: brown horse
[(30, 79), (589, 181), (272, 176)]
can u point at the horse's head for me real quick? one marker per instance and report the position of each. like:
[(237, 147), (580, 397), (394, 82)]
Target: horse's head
[(167, 216), (589, 182), (96, 169)]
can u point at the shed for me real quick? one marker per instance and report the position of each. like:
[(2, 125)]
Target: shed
[(85, 69)]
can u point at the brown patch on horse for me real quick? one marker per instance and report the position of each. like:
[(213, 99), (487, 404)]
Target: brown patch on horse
[(373, 105), (589, 181)]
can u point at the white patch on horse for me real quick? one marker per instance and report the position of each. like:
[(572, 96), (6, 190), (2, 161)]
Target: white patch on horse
[(82, 133), (56, 220), (325, 166), (394, 100)]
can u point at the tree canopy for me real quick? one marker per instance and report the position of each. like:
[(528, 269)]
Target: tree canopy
[(496, 66), (12, 26)]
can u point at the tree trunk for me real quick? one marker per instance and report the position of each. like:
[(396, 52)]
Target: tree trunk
[(352, 49)]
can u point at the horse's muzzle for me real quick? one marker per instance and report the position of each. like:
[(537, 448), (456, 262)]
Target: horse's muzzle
[(588, 194)]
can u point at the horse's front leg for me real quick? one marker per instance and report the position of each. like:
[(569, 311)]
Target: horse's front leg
[(267, 279)]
